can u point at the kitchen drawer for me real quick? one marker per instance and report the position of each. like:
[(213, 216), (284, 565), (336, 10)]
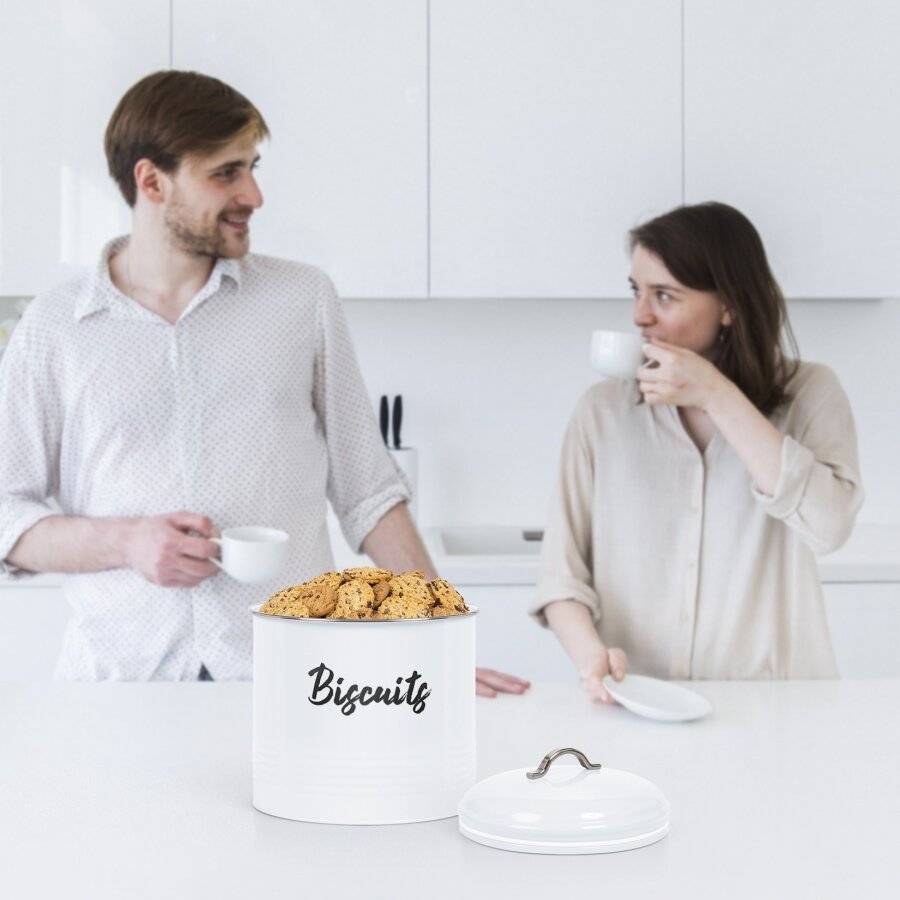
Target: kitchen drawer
[(34, 619), (865, 628)]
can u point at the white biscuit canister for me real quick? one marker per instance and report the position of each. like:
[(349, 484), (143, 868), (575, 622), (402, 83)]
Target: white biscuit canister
[(363, 723)]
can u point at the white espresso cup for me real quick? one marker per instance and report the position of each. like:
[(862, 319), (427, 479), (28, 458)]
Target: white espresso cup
[(251, 554), (618, 354)]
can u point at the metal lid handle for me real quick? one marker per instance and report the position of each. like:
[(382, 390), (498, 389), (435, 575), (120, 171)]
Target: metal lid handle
[(551, 757)]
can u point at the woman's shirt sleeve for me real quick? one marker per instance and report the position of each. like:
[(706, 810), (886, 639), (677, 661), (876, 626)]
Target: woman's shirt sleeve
[(819, 490)]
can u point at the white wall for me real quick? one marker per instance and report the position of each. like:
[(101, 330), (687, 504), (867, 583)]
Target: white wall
[(488, 387)]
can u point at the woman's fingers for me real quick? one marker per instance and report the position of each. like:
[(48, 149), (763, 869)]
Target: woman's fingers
[(596, 690), (618, 663), (650, 374), (657, 353), (652, 398)]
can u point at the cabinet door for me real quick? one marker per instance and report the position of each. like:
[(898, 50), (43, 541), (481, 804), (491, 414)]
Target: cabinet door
[(343, 88), (791, 114), (34, 619), (509, 639), (865, 628), (555, 127), (63, 68)]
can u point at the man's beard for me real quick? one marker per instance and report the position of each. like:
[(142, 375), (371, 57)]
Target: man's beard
[(210, 242)]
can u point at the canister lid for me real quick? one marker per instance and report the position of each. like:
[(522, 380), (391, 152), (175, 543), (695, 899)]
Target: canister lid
[(569, 809)]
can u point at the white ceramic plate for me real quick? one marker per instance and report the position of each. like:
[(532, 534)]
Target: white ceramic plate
[(657, 699)]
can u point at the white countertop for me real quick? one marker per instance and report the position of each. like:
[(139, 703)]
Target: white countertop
[(790, 789)]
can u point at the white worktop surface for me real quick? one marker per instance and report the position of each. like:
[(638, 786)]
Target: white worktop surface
[(790, 789)]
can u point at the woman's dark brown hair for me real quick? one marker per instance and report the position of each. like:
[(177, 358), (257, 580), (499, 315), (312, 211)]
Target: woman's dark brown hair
[(170, 114), (713, 247)]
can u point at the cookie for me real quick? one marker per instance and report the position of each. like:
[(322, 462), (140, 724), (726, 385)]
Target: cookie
[(320, 599), (411, 587), (381, 591), (396, 607), (446, 596), (331, 579), (367, 574), (287, 602), (355, 600)]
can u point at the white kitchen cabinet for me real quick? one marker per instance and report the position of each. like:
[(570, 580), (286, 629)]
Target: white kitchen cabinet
[(791, 115), (34, 614), (63, 68), (864, 620), (343, 88), (555, 127)]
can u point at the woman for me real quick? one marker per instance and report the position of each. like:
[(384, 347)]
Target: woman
[(690, 503)]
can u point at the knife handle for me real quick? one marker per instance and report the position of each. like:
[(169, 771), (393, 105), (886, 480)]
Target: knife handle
[(397, 419), (383, 418)]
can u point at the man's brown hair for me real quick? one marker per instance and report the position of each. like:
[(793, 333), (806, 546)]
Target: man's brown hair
[(714, 247), (170, 114)]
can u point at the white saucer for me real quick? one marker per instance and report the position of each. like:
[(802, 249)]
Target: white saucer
[(657, 699)]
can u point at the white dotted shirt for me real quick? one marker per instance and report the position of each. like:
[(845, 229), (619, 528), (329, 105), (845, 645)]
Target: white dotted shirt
[(250, 410)]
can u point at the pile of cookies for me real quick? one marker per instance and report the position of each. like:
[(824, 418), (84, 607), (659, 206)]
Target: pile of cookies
[(367, 593)]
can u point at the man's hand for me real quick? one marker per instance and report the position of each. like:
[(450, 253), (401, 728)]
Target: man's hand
[(612, 660), (162, 549), (488, 683)]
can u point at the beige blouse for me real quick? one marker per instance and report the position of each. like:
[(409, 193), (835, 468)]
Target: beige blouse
[(682, 561)]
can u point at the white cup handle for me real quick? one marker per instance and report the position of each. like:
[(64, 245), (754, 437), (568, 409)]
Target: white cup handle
[(212, 559)]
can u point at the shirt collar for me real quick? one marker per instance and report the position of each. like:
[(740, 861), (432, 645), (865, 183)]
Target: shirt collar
[(100, 293)]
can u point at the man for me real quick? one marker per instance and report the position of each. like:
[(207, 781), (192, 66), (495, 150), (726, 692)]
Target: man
[(182, 387)]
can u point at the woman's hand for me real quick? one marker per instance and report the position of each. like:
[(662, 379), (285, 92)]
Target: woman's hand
[(611, 661), (685, 378), (678, 376)]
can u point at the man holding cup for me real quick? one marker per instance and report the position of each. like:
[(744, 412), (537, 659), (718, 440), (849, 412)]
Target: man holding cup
[(182, 386)]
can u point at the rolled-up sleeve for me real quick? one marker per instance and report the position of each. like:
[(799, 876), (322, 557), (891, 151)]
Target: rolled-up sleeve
[(30, 428), (363, 482), (819, 490), (566, 552)]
